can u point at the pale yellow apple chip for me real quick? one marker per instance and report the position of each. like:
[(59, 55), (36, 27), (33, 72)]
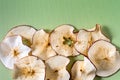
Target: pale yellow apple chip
[(62, 40), (12, 49), (25, 31), (41, 46), (29, 68), (56, 68), (83, 70), (104, 56)]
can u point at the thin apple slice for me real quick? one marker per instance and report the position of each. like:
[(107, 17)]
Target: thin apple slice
[(25, 31), (12, 49), (84, 41), (97, 34), (41, 46), (105, 57), (29, 68), (62, 40), (56, 68), (83, 70)]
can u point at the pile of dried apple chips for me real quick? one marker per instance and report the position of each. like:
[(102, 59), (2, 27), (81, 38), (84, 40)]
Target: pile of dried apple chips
[(41, 55)]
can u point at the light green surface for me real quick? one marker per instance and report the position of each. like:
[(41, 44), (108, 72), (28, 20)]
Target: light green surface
[(48, 14)]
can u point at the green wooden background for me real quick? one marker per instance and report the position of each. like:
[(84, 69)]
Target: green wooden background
[(48, 14)]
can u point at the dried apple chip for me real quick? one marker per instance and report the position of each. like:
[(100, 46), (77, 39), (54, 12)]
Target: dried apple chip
[(12, 49), (104, 56), (41, 46), (62, 40)]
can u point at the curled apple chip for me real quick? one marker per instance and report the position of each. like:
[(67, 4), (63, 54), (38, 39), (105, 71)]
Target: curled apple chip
[(12, 49), (29, 68), (25, 31), (105, 58), (86, 38), (56, 68), (41, 46), (62, 40), (83, 70), (84, 41), (97, 34)]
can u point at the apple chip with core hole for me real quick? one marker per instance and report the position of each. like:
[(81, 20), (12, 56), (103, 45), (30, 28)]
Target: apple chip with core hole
[(83, 70), (62, 40), (41, 46), (105, 57), (56, 68), (25, 31), (86, 38), (12, 49), (29, 68)]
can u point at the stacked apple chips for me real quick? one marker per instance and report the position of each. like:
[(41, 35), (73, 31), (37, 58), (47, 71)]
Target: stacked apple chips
[(41, 55)]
